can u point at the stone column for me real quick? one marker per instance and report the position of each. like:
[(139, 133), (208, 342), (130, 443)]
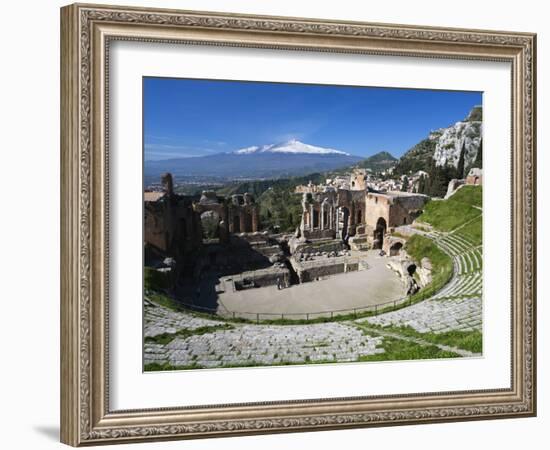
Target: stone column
[(255, 219), (230, 226), (311, 217), (242, 220), (303, 224), (322, 218)]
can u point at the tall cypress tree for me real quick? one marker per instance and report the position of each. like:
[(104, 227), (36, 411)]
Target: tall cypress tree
[(405, 185), (460, 166), (421, 185), (437, 182), (479, 157)]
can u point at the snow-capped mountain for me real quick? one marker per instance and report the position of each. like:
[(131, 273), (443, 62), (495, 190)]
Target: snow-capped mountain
[(292, 146), (262, 161)]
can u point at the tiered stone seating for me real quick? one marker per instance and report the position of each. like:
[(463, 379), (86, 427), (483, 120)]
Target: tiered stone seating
[(468, 264)]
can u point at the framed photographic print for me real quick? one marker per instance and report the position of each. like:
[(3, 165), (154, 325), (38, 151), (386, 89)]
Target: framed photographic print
[(280, 224)]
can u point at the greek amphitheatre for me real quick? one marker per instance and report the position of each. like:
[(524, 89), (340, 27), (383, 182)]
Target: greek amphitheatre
[(345, 286)]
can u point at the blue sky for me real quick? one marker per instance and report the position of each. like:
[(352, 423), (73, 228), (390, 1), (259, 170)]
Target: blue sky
[(186, 118)]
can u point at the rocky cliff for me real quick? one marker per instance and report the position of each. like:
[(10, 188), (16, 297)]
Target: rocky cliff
[(444, 146), (450, 141)]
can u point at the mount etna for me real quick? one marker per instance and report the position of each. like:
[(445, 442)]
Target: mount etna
[(291, 158)]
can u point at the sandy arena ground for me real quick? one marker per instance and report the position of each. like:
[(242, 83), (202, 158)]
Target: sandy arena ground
[(376, 285)]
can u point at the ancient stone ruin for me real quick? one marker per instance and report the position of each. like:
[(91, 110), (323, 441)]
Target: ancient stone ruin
[(356, 214), (205, 246), (206, 233), (474, 178)]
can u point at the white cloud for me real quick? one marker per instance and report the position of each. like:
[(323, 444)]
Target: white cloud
[(154, 151)]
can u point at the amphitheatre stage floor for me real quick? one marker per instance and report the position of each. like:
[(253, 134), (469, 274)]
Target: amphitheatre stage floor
[(345, 291)]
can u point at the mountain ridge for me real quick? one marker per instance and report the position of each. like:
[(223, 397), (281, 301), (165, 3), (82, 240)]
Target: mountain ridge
[(291, 158)]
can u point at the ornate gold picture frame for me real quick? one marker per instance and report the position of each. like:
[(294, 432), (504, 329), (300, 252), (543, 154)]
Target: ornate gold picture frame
[(87, 31)]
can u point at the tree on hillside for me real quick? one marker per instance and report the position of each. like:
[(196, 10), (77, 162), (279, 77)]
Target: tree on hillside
[(421, 188), (438, 179), (460, 166), (479, 157), (405, 184), (438, 182), (280, 209), (290, 223)]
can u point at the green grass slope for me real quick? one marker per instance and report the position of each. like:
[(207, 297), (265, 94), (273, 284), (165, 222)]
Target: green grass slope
[(461, 209), (473, 231), (419, 247)]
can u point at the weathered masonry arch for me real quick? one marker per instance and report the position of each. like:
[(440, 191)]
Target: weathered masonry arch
[(395, 249), (379, 233)]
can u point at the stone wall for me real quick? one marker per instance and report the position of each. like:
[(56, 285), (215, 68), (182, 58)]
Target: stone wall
[(240, 214), (321, 268), (319, 234), (406, 209), (452, 187), (172, 222), (271, 276), (377, 205), (327, 246), (171, 226), (395, 208)]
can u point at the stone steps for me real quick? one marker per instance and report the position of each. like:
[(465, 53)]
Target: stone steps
[(468, 261), (469, 285)]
